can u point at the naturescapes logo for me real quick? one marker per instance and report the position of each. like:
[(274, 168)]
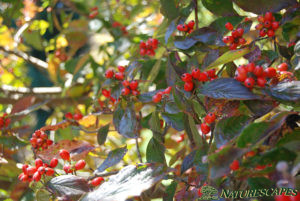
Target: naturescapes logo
[(209, 193)]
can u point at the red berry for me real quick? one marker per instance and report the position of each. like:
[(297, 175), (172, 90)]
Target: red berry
[(125, 91), (235, 165), (167, 90), (119, 76), (283, 197), (41, 170), (64, 154), (261, 81), (24, 168), (109, 74), (240, 32), (242, 41), (203, 77), (242, 70), (142, 45), (49, 171), (134, 85), (23, 177), (191, 24), (267, 24), (283, 67), (44, 136), (185, 28), (205, 129), (53, 162), (249, 82), (196, 73), (229, 26), (157, 98), (126, 83), (38, 163), (259, 26), (258, 71), (211, 73), (228, 39), (80, 164), (106, 93), (94, 8), (67, 169), (121, 68), (262, 33), (270, 33), (39, 141), (235, 34), (36, 176), (135, 92), (33, 141), (241, 77), (210, 118), (270, 72), (38, 133), (275, 25), (180, 27), (250, 67), (233, 46), (49, 142), (188, 86), (31, 170), (186, 77), (97, 181), (78, 116), (261, 19), (269, 16)]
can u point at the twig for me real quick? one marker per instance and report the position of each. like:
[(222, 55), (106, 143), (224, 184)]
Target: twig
[(103, 174), (196, 14), (41, 65)]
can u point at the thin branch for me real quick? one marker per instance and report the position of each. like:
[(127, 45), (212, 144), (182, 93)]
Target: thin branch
[(41, 65), (138, 150), (196, 14)]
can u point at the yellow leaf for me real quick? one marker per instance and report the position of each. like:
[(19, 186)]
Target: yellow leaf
[(88, 121), (61, 42)]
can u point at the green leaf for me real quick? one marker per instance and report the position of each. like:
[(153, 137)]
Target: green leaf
[(260, 183), (153, 73), (191, 129), (125, 121), (219, 24), (174, 120), (171, 28), (155, 126), (275, 155), (170, 191), (131, 181), (113, 158), (260, 7), (259, 107), (219, 7), (252, 133), (69, 186), (102, 134), (12, 142), (155, 152), (169, 9), (229, 56), (289, 138), (285, 91), (227, 88), (228, 128)]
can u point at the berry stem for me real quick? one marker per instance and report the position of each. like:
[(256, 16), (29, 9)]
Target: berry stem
[(196, 14)]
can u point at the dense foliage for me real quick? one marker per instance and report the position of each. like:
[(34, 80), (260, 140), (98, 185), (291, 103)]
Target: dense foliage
[(148, 100)]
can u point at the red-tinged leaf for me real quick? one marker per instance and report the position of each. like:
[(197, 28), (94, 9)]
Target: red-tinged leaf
[(23, 104), (70, 187), (129, 182), (77, 149)]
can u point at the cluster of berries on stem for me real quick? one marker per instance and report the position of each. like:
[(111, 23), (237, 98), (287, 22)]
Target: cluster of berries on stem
[(68, 168), (235, 165), (39, 140), (208, 119), (122, 27), (161, 94), (130, 88), (77, 116), (236, 39), (148, 47), (188, 28), (4, 121), (35, 173), (267, 25), (94, 12), (111, 74), (197, 75)]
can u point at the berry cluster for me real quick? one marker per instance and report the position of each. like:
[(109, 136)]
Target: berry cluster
[(130, 87), (94, 12), (34, 173), (235, 165), (236, 39), (188, 28), (159, 95), (208, 119), (267, 25), (250, 75), (62, 56), (196, 74), (4, 121), (110, 73), (76, 116), (106, 93), (65, 155), (148, 47), (40, 139), (119, 25)]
